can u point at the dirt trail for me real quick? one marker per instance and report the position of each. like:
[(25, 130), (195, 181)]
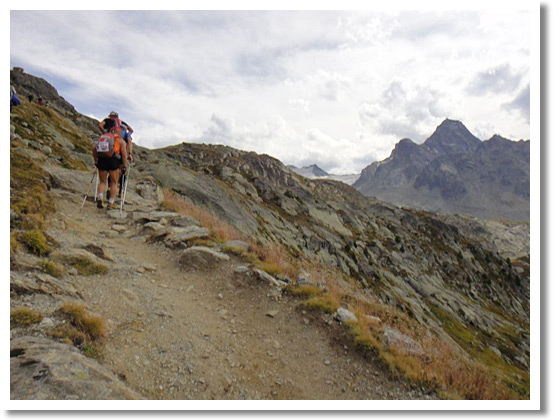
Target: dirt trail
[(206, 332)]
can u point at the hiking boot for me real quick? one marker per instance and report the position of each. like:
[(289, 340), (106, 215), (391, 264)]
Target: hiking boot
[(99, 203), (112, 206)]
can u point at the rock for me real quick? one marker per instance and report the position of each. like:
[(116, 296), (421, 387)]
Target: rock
[(150, 191), (344, 315), (149, 267), (496, 351), (42, 369), (241, 269), (201, 258), (264, 276), (272, 313), (184, 221), (375, 321), (70, 180), (153, 226), (119, 228), (401, 342), (178, 236), (303, 278), (117, 214), (98, 252), (40, 283)]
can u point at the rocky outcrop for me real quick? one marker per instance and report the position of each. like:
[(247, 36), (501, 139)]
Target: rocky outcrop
[(42, 369)]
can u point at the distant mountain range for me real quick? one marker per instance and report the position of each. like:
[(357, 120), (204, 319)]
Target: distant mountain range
[(454, 172), (315, 172)]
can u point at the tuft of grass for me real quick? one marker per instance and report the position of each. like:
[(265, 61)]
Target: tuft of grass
[(304, 290), (93, 326), (14, 244), (24, 317), (325, 303), (52, 268), (81, 329), (83, 265), (36, 242)]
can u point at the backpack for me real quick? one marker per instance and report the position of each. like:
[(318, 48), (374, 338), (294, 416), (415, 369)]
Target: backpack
[(108, 145), (112, 124)]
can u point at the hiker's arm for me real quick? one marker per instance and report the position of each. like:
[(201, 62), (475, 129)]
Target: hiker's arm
[(129, 145), (124, 153), (94, 153), (102, 126)]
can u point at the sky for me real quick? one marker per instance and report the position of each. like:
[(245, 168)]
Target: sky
[(334, 88)]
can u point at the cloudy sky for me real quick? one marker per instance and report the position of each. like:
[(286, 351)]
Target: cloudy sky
[(335, 88)]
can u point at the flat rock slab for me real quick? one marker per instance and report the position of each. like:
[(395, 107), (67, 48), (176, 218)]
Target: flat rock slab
[(42, 369), (41, 283)]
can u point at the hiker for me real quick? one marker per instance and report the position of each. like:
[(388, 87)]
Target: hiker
[(30, 97), (40, 101), (127, 137), (111, 123), (107, 154), (14, 100)]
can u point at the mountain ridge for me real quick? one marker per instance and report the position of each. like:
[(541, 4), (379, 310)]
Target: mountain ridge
[(454, 172)]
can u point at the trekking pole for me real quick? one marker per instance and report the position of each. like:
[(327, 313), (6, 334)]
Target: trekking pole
[(124, 193), (89, 187)]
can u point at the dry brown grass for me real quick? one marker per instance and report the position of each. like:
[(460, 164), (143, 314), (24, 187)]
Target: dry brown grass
[(24, 317), (81, 329), (221, 230), (271, 258)]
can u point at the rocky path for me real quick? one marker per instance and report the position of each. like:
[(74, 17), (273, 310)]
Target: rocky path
[(207, 331)]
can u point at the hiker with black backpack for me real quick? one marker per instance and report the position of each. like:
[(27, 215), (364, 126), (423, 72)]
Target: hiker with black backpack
[(108, 155)]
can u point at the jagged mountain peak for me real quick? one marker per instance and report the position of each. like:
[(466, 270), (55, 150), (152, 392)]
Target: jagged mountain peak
[(451, 136)]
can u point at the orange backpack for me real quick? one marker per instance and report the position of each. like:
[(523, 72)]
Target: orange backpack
[(108, 145)]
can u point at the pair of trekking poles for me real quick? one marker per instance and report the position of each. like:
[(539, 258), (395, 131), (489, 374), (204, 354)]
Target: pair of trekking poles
[(123, 183)]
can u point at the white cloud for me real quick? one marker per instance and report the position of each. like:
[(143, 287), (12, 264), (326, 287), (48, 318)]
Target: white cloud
[(334, 88)]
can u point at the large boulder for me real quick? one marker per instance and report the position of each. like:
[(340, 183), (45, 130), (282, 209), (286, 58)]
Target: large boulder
[(201, 258), (42, 369)]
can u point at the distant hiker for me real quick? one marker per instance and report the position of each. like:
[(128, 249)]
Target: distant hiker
[(30, 97), (14, 100), (111, 123), (127, 137), (107, 154), (40, 101)]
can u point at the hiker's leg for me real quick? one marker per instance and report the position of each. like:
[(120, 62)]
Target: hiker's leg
[(113, 175), (102, 183)]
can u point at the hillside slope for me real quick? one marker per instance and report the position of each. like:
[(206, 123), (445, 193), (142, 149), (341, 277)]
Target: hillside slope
[(316, 273)]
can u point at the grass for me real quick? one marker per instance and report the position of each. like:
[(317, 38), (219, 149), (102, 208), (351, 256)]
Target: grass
[(52, 268), (81, 329), (83, 265), (35, 242), (24, 317)]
